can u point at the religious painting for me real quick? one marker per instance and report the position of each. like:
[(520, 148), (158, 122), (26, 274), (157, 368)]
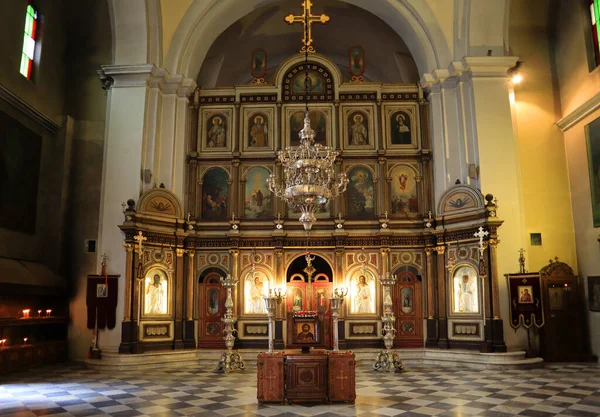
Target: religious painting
[(594, 293), (257, 197), (258, 63), (215, 192), (460, 198), (216, 130), (525, 294), (400, 126), (465, 290), (305, 331), (558, 298), (357, 130), (20, 152), (356, 55), (592, 133), (213, 329), (156, 292), (257, 133), (319, 122), (256, 287), (360, 195), (321, 290), (362, 292), (407, 300), (316, 82), (101, 291), (298, 302), (213, 301), (403, 195)]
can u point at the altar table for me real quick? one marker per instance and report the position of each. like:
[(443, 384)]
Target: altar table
[(318, 376)]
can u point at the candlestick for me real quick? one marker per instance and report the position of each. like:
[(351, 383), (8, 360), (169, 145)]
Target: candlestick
[(48, 312)]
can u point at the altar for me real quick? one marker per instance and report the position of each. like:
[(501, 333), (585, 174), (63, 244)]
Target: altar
[(318, 376)]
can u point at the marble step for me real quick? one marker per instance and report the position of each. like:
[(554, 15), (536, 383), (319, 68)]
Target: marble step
[(364, 358)]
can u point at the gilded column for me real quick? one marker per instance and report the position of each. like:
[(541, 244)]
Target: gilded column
[(385, 260), (234, 268), (442, 341), (190, 285), (430, 285), (179, 287), (279, 272), (138, 281), (493, 277), (129, 279)]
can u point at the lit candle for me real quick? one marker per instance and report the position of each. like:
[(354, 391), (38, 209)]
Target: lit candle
[(48, 312), (25, 340), (39, 313), (26, 313)]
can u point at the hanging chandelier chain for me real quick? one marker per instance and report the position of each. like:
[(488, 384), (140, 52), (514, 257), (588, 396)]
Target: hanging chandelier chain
[(309, 177)]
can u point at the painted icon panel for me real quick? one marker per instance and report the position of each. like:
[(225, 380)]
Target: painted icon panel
[(156, 292), (403, 196), (361, 193), (258, 199), (215, 192)]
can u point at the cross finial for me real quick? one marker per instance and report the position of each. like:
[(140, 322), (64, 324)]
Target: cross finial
[(481, 234), (307, 19), (140, 238)]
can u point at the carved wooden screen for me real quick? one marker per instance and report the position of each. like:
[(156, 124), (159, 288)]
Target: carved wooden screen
[(211, 308), (408, 309)]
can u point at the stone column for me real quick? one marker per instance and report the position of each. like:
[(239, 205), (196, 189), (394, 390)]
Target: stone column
[(441, 299), (189, 340), (121, 170)]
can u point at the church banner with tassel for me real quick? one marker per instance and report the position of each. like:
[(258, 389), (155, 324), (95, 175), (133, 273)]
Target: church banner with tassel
[(101, 301), (526, 308)]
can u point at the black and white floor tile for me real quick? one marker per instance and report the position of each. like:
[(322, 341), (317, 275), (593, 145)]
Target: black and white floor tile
[(73, 390)]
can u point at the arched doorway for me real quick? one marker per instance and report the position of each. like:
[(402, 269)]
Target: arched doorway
[(408, 308), (211, 307), (309, 287)]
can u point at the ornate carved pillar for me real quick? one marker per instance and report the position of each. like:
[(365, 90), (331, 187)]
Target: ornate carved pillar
[(340, 281), (192, 203), (280, 315), (385, 260), (496, 324), (189, 340), (441, 297), (432, 322), (179, 300), (384, 187), (128, 327)]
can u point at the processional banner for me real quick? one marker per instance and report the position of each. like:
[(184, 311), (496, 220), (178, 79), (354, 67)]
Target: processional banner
[(526, 307)]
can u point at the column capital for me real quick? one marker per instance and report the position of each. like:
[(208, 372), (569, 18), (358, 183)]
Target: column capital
[(124, 75), (384, 251), (180, 252), (190, 253), (493, 243), (234, 252), (486, 66), (128, 247), (440, 249), (428, 251)]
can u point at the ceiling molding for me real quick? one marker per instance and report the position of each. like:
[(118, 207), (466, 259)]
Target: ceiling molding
[(28, 110)]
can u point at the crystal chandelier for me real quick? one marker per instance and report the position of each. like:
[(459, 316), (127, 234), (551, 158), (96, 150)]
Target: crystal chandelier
[(309, 178)]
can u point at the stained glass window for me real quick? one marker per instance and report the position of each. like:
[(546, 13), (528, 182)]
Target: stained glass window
[(29, 41), (595, 14)]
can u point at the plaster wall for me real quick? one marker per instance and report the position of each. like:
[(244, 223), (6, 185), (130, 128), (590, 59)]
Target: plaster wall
[(578, 85), (540, 142)]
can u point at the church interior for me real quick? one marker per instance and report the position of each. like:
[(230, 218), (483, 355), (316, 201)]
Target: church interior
[(296, 207)]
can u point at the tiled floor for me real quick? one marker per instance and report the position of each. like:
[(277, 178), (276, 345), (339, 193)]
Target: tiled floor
[(72, 390)]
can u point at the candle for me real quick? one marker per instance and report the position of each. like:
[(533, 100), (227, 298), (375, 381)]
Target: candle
[(39, 313), (48, 312), (25, 340), (26, 313)]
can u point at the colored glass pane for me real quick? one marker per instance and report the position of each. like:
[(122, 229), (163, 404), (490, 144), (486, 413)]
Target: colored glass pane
[(28, 41), (595, 16)]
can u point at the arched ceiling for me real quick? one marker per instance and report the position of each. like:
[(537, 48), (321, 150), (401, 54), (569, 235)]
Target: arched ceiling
[(387, 57)]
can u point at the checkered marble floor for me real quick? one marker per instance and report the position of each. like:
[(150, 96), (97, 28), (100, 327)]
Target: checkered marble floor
[(73, 390)]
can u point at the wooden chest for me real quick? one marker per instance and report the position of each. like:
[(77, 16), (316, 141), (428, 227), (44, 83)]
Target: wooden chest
[(342, 377), (270, 378), (306, 376)]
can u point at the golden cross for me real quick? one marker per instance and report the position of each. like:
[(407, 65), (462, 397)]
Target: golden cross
[(341, 378), (139, 239), (271, 377), (307, 18)]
